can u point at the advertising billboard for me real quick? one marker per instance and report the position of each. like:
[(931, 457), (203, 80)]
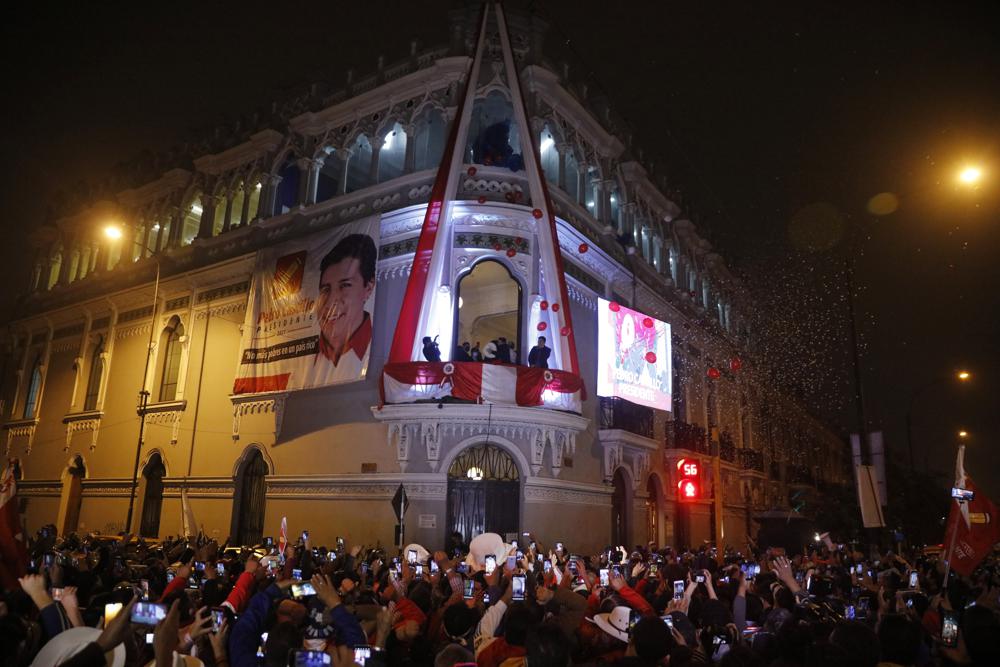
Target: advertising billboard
[(633, 356)]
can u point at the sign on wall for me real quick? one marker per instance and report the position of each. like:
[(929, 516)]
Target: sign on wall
[(633, 356), (309, 319)]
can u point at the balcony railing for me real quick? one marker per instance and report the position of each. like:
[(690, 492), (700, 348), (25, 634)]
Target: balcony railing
[(751, 459), (620, 414), (681, 435)]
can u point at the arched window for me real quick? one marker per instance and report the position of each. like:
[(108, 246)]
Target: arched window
[(615, 204), (171, 345), (549, 155), (192, 221), (287, 195), (392, 155), (94, 380), (572, 176), (359, 165), (429, 139), (330, 174), (55, 264), (249, 500), (152, 497), (34, 389), (489, 309), (493, 134)]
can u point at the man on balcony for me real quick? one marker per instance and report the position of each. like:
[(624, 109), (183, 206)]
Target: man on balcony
[(539, 355)]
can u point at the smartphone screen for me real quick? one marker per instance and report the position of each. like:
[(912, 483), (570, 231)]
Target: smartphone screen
[(913, 579), (517, 583), (434, 567), (303, 590), (218, 618), (559, 547), (949, 628), (513, 543), (111, 610), (57, 594), (605, 580), (220, 569), (418, 570), (547, 566), (296, 573), (361, 654), (148, 613), (857, 568), (849, 612), (411, 556), (633, 618), (699, 578), (263, 642), (469, 588), (511, 562), (669, 620), (149, 638), (491, 564), (678, 589), (310, 659)]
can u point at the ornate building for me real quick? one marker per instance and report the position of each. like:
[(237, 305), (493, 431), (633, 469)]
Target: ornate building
[(488, 140)]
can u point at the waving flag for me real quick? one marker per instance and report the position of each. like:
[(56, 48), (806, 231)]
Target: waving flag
[(973, 527), (283, 536)]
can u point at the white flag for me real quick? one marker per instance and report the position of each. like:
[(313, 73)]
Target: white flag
[(187, 514)]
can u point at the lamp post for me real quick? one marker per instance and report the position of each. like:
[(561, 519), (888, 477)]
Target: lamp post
[(961, 376), (114, 233)]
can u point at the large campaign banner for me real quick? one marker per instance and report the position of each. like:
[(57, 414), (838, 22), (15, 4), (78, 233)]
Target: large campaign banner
[(309, 323), (633, 356)]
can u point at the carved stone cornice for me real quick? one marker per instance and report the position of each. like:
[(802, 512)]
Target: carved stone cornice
[(79, 422), (21, 428), (168, 413), (259, 404), (628, 450), (544, 491)]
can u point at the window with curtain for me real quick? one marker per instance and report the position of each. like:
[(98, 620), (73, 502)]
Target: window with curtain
[(96, 372), (34, 388), (171, 359)]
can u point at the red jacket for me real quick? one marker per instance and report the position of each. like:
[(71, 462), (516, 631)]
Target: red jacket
[(241, 593)]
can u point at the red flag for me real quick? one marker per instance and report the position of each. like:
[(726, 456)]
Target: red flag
[(13, 542), (978, 526), (283, 536)]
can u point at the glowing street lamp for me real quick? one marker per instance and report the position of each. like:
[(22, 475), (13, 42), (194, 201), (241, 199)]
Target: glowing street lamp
[(971, 175), (964, 376), (963, 434), (113, 232)]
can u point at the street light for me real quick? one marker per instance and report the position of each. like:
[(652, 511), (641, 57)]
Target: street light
[(963, 434), (970, 175), (963, 376), (114, 233)]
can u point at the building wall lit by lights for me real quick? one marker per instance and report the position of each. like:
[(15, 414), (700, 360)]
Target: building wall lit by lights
[(330, 459)]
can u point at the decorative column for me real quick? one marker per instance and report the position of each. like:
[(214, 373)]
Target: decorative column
[(207, 227), (373, 167), (581, 187), (313, 168), (345, 158), (228, 215), (177, 226), (304, 164), (563, 150), (245, 211)]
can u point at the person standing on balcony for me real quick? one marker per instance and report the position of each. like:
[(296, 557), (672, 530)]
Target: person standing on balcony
[(538, 357), (490, 352), (503, 351)]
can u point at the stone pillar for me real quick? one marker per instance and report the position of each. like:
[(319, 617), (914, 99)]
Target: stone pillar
[(345, 158), (207, 226), (245, 211), (303, 164), (268, 196), (581, 187), (373, 167), (410, 160), (228, 214), (312, 181), (563, 150)]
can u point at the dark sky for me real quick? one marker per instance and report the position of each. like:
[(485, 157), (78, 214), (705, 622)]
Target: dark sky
[(772, 117)]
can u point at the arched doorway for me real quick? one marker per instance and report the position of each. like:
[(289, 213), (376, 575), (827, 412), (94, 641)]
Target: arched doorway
[(489, 308), (249, 499), (152, 496), (72, 496), (620, 499), (484, 492)]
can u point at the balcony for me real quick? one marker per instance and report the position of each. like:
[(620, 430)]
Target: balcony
[(751, 459), (625, 416), (681, 435)]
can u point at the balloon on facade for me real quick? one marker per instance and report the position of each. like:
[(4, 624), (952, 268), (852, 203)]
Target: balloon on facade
[(713, 373), (651, 357), (542, 326), (583, 248)]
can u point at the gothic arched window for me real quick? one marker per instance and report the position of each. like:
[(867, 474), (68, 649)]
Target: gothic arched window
[(171, 346), (96, 373)]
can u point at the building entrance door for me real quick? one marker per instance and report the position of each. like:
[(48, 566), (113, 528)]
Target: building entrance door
[(484, 493)]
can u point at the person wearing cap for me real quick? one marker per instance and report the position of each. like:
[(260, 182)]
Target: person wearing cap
[(611, 642)]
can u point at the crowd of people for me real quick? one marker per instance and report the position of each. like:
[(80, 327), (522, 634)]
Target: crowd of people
[(118, 601)]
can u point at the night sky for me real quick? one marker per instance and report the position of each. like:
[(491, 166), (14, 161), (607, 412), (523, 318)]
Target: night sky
[(778, 122)]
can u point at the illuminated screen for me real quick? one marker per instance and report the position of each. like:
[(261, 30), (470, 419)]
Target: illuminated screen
[(633, 357)]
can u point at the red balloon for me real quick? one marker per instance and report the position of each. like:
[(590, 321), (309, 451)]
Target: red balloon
[(537, 213), (651, 357), (497, 246), (542, 326), (583, 248), (482, 200), (544, 305), (648, 322), (735, 364), (471, 171), (614, 307), (713, 373), (565, 331), (511, 252), (519, 241), (555, 308)]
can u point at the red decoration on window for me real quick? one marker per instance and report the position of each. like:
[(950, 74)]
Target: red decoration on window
[(537, 213), (482, 199), (647, 322), (651, 357), (565, 331), (511, 252), (544, 305), (614, 306), (471, 171), (542, 326), (497, 247), (555, 308), (735, 364), (713, 373), (583, 248)]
